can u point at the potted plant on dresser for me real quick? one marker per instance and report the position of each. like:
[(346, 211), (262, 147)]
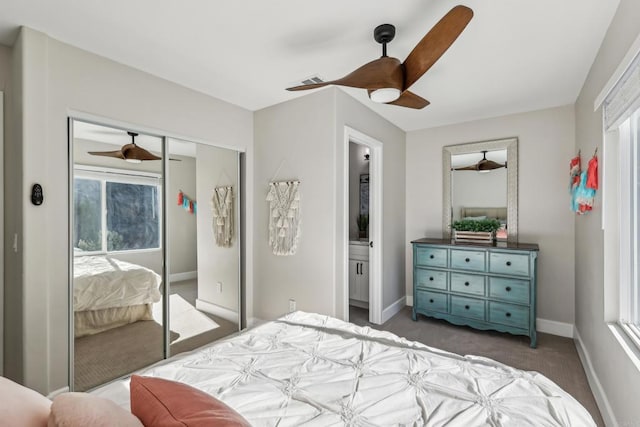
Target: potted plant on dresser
[(475, 230)]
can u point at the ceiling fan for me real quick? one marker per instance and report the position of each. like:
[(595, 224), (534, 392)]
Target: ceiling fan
[(386, 79), (483, 165), (129, 152)]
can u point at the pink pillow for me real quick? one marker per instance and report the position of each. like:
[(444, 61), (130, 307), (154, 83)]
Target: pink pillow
[(159, 402), (82, 410), (21, 406)]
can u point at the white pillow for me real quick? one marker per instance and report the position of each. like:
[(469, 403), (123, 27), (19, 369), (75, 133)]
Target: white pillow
[(21, 406), (83, 410)]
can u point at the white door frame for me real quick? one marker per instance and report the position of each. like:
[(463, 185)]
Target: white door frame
[(375, 222)]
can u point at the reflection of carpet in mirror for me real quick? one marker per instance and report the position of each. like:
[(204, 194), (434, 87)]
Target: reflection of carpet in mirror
[(111, 354)]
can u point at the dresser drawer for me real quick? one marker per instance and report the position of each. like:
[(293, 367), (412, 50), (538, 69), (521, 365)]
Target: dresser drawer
[(467, 307), (513, 264), (431, 279), (509, 314), (468, 260), (432, 301), (509, 289), (431, 257), (467, 284)]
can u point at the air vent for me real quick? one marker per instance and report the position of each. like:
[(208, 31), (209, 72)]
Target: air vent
[(312, 80)]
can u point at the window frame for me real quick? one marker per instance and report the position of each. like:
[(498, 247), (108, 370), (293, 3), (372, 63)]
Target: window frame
[(122, 176)]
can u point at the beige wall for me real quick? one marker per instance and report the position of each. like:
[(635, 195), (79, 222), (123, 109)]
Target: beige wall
[(182, 225), (618, 377), (295, 140), (303, 139), (57, 80), (545, 145), (216, 167)]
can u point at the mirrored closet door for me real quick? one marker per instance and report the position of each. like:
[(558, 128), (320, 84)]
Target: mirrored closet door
[(153, 272)]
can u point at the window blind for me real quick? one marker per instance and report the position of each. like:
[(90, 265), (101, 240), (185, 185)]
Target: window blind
[(624, 98)]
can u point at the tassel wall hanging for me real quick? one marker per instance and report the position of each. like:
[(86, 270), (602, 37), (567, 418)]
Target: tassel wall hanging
[(222, 203), (284, 217), (189, 205), (583, 184)]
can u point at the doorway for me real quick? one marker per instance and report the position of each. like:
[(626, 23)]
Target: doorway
[(363, 228)]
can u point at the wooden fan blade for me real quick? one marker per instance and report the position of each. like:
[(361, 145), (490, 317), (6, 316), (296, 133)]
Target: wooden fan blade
[(385, 72), (410, 100), (435, 43), (487, 165), (134, 152), (117, 154), (466, 168)]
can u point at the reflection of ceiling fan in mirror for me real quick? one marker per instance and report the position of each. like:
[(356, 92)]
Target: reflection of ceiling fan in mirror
[(129, 152), (483, 165), (386, 79)]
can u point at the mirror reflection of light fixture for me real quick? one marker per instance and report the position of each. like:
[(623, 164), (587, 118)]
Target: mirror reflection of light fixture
[(366, 154), (483, 166)]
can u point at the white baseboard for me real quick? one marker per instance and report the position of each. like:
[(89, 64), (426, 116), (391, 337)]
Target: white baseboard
[(409, 300), (554, 328), (596, 388), (54, 393), (252, 322), (358, 303), (394, 308), (187, 275), (217, 310)]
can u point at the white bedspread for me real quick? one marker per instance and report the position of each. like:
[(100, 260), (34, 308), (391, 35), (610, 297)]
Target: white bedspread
[(102, 282), (312, 370)]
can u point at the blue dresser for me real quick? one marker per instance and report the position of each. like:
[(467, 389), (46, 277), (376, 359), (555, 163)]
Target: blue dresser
[(482, 286)]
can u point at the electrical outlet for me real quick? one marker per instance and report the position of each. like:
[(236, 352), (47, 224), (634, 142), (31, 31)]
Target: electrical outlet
[(292, 305), (219, 287)]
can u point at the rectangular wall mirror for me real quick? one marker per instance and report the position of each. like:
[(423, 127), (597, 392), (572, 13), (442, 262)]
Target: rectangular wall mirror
[(480, 180)]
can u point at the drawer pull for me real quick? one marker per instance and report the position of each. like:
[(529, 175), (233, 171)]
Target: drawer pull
[(431, 256), (431, 279), (508, 263), (466, 307), (508, 288), (431, 300), (467, 260), (508, 314), (466, 283)]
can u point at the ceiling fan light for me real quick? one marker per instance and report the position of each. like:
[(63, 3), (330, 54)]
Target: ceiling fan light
[(384, 95), (484, 171), (133, 160)]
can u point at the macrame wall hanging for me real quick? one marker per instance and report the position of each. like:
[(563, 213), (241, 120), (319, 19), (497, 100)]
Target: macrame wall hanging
[(222, 203), (189, 205), (284, 218), (583, 184)]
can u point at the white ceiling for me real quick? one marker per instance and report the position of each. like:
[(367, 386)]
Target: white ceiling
[(515, 55)]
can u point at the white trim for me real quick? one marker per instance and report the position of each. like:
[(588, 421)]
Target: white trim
[(1, 232), (626, 342), (393, 309), (187, 275), (375, 223), (409, 300), (217, 310), (596, 387), (55, 393), (554, 327), (358, 303), (618, 73), (252, 322), (120, 124)]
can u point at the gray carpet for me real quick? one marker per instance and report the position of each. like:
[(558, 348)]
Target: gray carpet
[(556, 357), (117, 352)]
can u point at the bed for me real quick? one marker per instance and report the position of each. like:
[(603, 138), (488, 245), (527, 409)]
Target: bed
[(311, 370), (108, 293), (499, 213)]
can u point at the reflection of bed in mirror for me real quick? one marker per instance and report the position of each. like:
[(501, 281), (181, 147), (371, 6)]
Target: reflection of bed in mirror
[(499, 213), (108, 293)]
